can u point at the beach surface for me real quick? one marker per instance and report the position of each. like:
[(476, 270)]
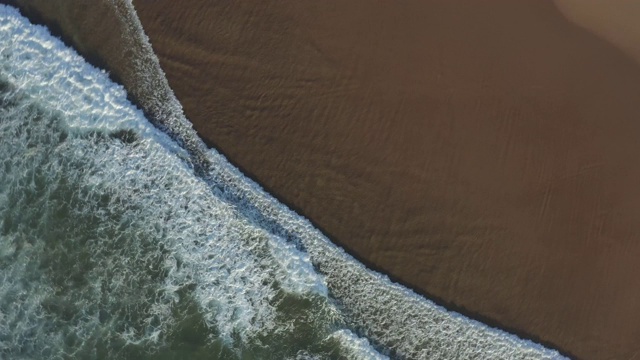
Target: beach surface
[(484, 155)]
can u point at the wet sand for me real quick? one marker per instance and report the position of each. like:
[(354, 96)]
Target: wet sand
[(486, 156)]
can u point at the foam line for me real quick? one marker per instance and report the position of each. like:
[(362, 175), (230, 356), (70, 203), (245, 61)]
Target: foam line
[(411, 327), (110, 246), (414, 328)]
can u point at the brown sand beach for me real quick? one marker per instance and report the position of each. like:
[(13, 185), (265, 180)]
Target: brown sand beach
[(484, 154)]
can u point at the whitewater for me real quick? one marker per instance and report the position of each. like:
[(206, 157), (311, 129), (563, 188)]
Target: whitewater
[(116, 242)]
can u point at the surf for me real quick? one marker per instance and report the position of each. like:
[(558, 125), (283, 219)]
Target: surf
[(121, 239)]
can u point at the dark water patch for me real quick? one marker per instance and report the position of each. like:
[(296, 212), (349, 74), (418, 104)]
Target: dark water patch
[(126, 136)]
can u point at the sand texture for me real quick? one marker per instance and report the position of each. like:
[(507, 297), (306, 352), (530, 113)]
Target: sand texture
[(484, 155)]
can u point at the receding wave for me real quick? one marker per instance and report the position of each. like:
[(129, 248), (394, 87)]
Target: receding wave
[(114, 245)]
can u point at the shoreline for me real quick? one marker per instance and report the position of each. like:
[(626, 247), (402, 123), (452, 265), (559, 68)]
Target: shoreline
[(331, 261), (289, 104), (325, 67)]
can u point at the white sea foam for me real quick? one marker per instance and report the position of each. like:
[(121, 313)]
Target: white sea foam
[(359, 349), (406, 323), (105, 229), (154, 233)]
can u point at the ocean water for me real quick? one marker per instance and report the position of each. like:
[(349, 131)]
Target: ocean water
[(115, 243)]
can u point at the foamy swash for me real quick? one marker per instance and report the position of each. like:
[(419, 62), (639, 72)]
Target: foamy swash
[(111, 247)]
